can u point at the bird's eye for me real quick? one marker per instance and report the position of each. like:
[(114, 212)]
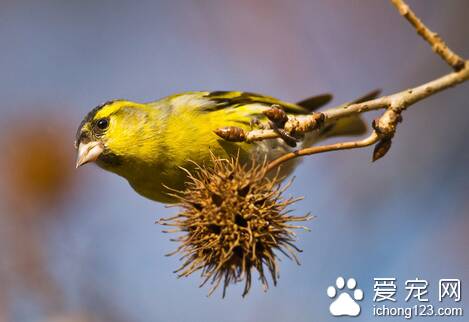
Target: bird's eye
[(102, 124)]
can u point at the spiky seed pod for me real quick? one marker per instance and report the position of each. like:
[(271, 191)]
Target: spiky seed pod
[(233, 220)]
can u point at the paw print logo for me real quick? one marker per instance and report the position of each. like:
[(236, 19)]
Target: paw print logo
[(344, 303)]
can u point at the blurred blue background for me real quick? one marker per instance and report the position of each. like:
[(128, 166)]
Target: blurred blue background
[(81, 245)]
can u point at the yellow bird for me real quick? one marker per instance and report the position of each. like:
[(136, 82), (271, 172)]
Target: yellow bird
[(149, 143)]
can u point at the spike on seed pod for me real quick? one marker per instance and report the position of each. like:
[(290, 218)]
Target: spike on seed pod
[(237, 227)]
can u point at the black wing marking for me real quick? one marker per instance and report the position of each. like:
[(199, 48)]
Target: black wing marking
[(225, 99), (315, 102)]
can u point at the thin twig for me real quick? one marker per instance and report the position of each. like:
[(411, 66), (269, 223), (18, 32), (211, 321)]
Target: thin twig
[(370, 140), (438, 45)]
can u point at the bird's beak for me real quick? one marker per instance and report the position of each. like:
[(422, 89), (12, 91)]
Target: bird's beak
[(89, 152)]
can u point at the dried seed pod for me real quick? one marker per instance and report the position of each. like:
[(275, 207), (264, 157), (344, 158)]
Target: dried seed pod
[(233, 220), (231, 133)]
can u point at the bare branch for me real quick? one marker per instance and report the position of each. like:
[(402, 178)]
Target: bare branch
[(370, 140), (307, 123), (290, 127), (385, 126), (402, 99), (438, 45)]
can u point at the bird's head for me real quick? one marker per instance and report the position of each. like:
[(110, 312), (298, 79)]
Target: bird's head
[(113, 133)]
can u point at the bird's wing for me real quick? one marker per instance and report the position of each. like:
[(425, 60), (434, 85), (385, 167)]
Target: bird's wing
[(219, 100)]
